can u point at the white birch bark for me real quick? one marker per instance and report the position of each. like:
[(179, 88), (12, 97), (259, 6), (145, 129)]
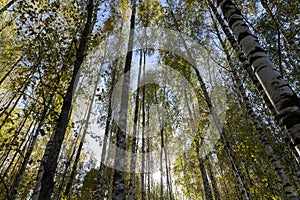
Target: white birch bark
[(273, 160), (282, 97)]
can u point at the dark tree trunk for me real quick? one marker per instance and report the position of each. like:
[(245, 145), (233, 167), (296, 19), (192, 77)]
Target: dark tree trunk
[(45, 178), (143, 135), (119, 165), (134, 135)]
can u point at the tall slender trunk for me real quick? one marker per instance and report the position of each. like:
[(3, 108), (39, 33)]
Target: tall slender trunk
[(273, 160), (149, 158), (14, 139), (168, 176), (99, 188), (148, 168), (4, 110), (22, 147), (213, 180), (119, 165), (8, 114), (237, 171), (161, 148), (67, 165), (282, 97), (207, 189), (242, 58), (29, 151), (240, 54), (88, 114), (45, 178), (161, 165), (134, 134), (143, 192), (75, 164)]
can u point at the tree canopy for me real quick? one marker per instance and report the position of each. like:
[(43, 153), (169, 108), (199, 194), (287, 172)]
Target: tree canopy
[(149, 99)]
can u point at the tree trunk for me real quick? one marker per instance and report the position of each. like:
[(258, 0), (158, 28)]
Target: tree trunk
[(148, 168), (273, 160), (149, 158), (282, 97), (17, 180), (168, 175), (45, 178), (14, 138), (161, 165), (13, 161), (67, 165), (207, 189), (143, 192), (161, 148), (238, 173), (98, 191), (134, 135), (213, 180), (119, 165), (11, 110), (240, 54)]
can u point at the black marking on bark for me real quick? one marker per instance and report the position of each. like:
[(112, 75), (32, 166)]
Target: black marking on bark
[(232, 20), (257, 70), (287, 185), (297, 141), (227, 4), (253, 59), (290, 118), (243, 35), (254, 51), (242, 57)]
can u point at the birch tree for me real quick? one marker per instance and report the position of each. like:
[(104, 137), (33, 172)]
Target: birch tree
[(281, 95)]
